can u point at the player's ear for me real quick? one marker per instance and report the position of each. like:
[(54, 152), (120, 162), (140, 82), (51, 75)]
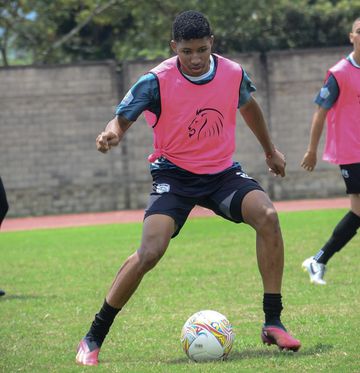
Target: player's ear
[(351, 38), (173, 46), (212, 40)]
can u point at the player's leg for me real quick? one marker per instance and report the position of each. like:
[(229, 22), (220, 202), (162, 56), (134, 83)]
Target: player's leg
[(157, 232), (355, 203), (4, 207), (164, 217), (344, 231), (241, 199), (259, 212)]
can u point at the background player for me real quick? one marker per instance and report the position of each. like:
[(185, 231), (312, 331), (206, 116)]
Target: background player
[(338, 102)]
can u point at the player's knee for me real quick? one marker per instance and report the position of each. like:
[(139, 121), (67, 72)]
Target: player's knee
[(268, 221), (148, 260), (149, 255), (347, 227)]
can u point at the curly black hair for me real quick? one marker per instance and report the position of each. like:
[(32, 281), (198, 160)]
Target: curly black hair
[(191, 25)]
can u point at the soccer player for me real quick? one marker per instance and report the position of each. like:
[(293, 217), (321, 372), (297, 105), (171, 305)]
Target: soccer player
[(4, 207), (190, 102), (339, 102)]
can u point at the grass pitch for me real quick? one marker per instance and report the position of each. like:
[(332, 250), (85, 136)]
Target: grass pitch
[(56, 281)]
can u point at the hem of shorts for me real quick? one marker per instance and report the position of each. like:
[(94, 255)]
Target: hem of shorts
[(167, 214)]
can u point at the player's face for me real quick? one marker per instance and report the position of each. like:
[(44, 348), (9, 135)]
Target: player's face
[(194, 55), (355, 36)]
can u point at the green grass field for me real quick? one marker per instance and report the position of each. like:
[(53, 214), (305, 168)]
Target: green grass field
[(56, 281)]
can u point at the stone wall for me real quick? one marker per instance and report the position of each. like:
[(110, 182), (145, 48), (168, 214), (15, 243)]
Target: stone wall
[(51, 115)]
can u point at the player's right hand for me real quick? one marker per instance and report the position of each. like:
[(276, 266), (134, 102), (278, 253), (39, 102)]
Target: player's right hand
[(106, 140)]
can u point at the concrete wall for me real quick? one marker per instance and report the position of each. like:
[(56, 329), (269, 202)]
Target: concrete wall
[(295, 78), (49, 118), (51, 115)]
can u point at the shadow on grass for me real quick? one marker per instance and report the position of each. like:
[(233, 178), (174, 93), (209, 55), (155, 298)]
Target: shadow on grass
[(273, 352), (269, 353), (24, 297)]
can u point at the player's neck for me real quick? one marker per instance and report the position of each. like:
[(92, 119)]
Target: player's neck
[(356, 57), (203, 76)]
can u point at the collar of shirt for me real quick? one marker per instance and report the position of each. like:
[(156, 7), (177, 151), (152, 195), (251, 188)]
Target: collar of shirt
[(353, 62), (204, 76)]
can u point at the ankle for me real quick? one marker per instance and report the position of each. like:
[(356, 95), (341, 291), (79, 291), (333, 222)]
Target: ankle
[(275, 322), (92, 342)]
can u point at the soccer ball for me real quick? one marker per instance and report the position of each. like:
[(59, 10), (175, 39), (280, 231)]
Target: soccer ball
[(207, 335)]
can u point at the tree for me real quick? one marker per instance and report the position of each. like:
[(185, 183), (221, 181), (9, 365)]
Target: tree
[(14, 16), (47, 31)]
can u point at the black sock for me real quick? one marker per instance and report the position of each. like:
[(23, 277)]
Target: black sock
[(101, 324), (343, 233), (272, 307)]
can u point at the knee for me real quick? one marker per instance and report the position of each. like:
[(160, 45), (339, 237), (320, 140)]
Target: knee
[(148, 258), (149, 255), (268, 221)]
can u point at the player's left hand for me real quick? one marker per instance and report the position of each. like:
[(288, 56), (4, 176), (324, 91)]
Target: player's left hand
[(277, 163), (309, 161)]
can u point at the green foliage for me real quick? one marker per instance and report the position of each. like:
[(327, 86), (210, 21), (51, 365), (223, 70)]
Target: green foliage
[(69, 30), (56, 281)]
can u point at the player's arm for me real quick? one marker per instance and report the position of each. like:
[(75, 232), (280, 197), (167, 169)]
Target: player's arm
[(113, 133), (143, 95), (325, 99), (254, 118), (317, 126)]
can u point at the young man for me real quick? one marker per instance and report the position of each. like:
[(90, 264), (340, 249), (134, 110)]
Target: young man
[(4, 207), (339, 102), (191, 102)]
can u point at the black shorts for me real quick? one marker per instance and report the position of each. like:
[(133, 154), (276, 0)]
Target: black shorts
[(351, 175), (175, 192)]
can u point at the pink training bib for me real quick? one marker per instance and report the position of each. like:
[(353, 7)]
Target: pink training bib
[(343, 119), (196, 127)]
